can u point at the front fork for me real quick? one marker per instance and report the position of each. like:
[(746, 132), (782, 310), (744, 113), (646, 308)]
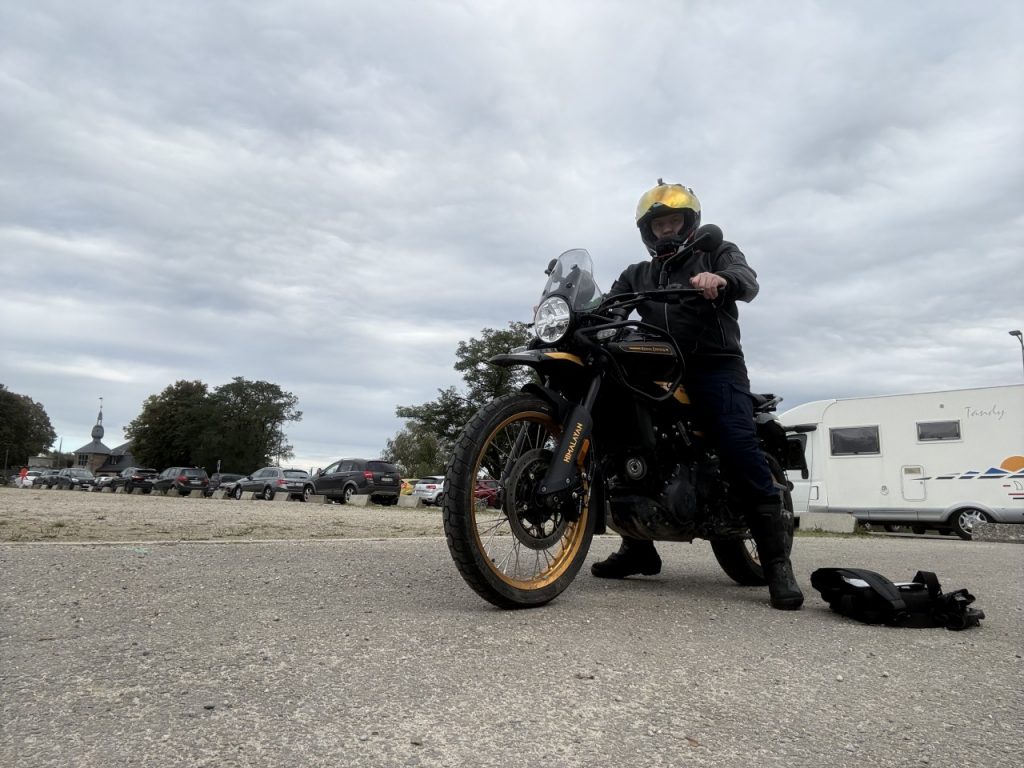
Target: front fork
[(577, 428)]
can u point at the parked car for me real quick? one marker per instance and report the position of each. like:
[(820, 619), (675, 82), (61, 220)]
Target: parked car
[(228, 486), (221, 481), (103, 481), (270, 481), (346, 478), (75, 478), (30, 478), (135, 478), (430, 489), (46, 479), (488, 492), (182, 480)]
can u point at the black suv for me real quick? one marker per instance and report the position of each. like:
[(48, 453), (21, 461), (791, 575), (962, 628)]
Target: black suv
[(133, 478), (75, 478), (346, 478), (182, 480)]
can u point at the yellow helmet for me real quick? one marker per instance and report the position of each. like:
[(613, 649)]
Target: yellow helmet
[(662, 200)]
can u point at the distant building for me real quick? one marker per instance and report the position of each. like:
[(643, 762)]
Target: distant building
[(99, 459), (120, 458)]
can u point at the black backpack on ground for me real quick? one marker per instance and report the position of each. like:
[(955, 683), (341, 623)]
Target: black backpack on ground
[(872, 598)]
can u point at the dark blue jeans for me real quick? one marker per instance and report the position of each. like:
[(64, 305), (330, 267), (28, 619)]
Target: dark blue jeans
[(723, 400)]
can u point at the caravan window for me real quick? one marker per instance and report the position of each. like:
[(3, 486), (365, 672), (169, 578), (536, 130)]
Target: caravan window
[(938, 430), (854, 441)]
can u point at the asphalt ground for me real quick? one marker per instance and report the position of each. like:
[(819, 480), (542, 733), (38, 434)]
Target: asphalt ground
[(375, 653)]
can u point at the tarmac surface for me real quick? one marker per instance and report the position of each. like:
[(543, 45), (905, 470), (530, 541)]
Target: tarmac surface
[(375, 653)]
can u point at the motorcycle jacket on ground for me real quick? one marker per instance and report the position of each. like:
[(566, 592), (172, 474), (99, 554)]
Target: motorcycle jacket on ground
[(707, 332)]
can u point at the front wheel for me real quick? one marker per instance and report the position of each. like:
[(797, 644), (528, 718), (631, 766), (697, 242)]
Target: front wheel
[(526, 552)]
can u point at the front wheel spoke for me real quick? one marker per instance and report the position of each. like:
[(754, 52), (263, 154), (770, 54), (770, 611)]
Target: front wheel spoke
[(493, 525)]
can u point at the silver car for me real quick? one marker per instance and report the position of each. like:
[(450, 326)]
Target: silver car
[(270, 481), (430, 489)]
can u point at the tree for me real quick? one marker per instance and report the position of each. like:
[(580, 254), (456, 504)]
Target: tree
[(246, 430), (415, 450), (441, 421), (167, 432), (240, 425), (25, 428), (442, 418), (483, 380)]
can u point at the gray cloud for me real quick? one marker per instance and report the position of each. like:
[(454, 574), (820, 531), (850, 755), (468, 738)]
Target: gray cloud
[(330, 196)]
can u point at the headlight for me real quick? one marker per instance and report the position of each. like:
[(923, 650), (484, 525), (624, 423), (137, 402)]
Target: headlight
[(551, 320)]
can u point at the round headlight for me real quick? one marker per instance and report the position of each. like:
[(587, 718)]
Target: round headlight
[(551, 320)]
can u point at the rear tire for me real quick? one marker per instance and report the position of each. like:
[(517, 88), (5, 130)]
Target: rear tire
[(738, 557), (268, 493), (524, 554)]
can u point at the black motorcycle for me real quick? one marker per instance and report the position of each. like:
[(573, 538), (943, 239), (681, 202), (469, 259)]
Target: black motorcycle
[(605, 437)]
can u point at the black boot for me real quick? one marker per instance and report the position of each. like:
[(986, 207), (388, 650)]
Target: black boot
[(770, 528), (635, 556)]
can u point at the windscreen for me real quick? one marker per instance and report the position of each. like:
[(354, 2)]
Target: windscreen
[(573, 277)]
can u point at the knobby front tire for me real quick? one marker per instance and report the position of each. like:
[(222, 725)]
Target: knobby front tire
[(520, 554)]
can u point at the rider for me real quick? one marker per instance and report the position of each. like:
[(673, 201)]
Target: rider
[(706, 328)]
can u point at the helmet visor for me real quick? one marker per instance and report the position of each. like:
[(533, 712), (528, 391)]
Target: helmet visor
[(666, 198)]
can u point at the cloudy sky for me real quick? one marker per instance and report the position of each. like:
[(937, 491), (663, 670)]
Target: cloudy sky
[(330, 195)]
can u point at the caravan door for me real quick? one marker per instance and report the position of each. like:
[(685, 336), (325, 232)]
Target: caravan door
[(912, 482)]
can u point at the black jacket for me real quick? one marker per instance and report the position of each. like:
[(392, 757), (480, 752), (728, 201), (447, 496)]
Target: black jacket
[(707, 332)]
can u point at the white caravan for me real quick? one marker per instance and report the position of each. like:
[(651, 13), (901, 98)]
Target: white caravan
[(939, 460)]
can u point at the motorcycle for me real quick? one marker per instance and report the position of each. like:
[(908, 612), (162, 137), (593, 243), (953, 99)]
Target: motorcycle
[(605, 437)]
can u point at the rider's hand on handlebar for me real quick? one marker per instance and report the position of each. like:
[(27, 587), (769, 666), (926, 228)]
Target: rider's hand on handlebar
[(709, 283)]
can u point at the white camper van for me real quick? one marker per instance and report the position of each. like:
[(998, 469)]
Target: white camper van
[(939, 460)]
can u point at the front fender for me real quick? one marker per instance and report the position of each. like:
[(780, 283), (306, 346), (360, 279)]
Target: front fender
[(535, 358)]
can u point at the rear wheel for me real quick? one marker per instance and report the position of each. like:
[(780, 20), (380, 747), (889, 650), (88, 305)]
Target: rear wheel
[(527, 552), (738, 557), (268, 493)]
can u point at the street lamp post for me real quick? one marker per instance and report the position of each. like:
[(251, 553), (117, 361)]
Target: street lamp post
[(1020, 338)]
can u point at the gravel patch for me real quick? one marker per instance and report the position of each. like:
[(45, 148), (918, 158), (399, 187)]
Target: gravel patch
[(33, 515)]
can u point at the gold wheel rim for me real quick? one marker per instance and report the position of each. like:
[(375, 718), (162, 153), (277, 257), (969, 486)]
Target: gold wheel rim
[(492, 529)]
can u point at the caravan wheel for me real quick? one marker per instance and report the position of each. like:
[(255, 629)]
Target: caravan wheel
[(964, 520)]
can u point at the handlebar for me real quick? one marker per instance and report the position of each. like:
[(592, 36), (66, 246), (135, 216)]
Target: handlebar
[(626, 302)]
